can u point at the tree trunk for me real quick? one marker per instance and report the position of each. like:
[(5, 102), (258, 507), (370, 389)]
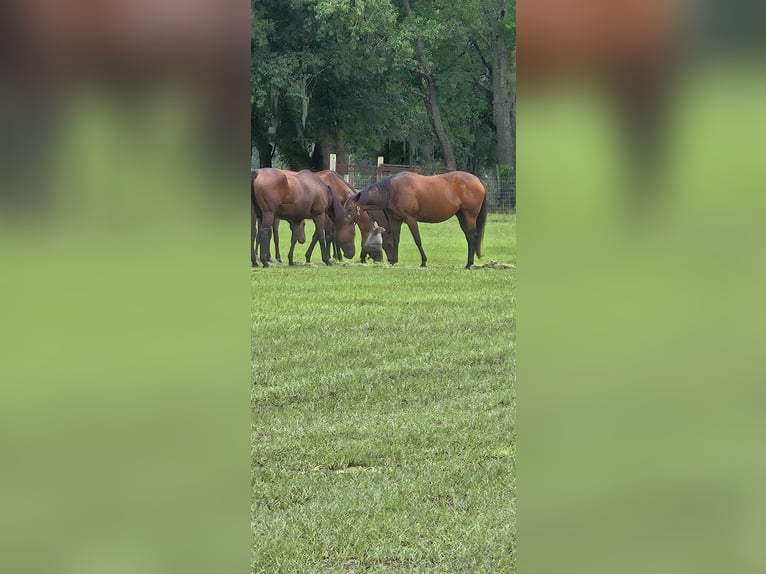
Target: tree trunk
[(341, 165), (259, 139), (503, 102), (435, 116), (432, 100)]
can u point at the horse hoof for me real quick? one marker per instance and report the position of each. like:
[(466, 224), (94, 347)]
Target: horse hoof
[(279, 259)]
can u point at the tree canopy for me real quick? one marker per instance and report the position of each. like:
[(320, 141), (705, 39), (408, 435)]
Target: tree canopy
[(428, 82)]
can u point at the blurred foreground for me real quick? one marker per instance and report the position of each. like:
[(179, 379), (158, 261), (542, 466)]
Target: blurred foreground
[(641, 323), (124, 350), (124, 420)]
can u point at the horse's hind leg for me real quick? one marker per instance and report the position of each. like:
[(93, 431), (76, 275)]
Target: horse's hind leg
[(310, 250), (468, 225), (264, 237), (253, 242), (412, 223), (396, 229), (293, 241), (320, 234), (276, 240)]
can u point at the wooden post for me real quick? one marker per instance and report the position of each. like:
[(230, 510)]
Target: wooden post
[(380, 160), (333, 161)]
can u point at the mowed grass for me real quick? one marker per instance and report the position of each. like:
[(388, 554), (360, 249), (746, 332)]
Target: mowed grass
[(383, 410)]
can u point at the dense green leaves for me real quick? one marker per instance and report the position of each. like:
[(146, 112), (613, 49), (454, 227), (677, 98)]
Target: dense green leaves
[(343, 76)]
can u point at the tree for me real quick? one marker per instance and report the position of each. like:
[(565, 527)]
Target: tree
[(431, 97), (421, 80), (502, 35)]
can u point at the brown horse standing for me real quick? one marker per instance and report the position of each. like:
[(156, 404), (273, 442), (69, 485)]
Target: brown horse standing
[(297, 229), (333, 236), (409, 197), (364, 219), (297, 232), (294, 197)]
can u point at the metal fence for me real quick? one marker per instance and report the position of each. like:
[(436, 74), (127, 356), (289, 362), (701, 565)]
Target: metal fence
[(501, 192), (500, 188)]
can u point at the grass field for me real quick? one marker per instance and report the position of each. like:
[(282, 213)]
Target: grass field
[(383, 410)]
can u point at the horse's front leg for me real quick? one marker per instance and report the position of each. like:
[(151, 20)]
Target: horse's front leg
[(319, 221), (264, 237), (412, 223), (396, 228)]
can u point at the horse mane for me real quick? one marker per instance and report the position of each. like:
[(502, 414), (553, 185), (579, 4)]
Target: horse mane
[(383, 187), (335, 206)]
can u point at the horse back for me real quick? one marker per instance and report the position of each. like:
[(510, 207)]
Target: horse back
[(337, 184), (270, 188), (436, 198), (315, 192)]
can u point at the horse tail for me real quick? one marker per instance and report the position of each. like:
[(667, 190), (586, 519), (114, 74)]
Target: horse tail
[(481, 221)]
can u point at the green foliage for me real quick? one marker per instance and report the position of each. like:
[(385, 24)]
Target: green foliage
[(352, 65)]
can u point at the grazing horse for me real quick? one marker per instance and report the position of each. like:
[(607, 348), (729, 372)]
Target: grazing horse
[(409, 197), (298, 232), (336, 237), (297, 228), (364, 219), (294, 197)]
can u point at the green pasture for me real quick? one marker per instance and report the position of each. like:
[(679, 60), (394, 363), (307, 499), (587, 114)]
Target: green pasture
[(383, 407)]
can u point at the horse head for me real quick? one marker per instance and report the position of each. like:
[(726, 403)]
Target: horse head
[(344, 219)]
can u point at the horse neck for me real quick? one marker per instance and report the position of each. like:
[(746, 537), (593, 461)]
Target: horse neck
[(375, 196), (365, 223), (335, 209)]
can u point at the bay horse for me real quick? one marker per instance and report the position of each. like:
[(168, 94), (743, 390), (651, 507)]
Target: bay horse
[(408, 197), (297, 229), (365, 219), (294, 197), (335, 237)]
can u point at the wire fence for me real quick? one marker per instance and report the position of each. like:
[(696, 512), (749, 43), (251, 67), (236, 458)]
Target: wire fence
[(500, 187)]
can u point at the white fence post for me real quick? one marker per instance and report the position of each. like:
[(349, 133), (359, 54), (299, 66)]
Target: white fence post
[(333, 161)]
